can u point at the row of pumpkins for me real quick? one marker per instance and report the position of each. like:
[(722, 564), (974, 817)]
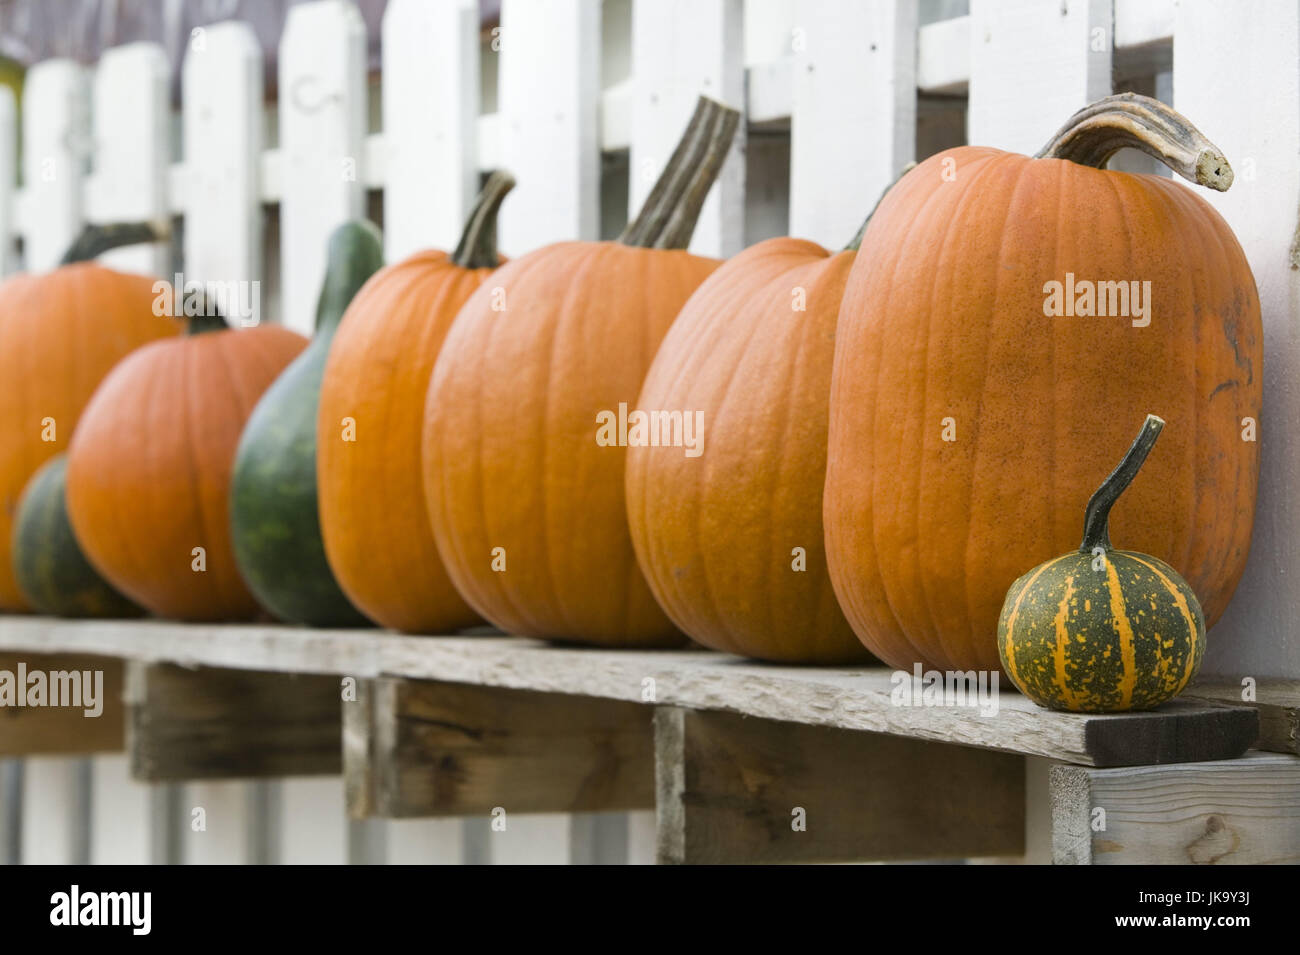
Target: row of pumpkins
[(893, 433)]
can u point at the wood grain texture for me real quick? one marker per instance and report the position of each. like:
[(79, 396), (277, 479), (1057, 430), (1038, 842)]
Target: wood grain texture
[(51, 731), (418, 748), (208, 723), (1244, 812), (845, 698), (735, 790), (1276, 701)]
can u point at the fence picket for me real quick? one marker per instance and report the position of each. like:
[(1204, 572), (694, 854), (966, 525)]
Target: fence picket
[(1032, 65), (844, 150), (8, 178), (322, 107), (55, 142), (549, 95), (430, 110), (132, 149), (680, 50)]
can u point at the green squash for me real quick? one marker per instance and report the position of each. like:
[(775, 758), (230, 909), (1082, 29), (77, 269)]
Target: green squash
[(1101, 630), (49, 566), (274, 519)]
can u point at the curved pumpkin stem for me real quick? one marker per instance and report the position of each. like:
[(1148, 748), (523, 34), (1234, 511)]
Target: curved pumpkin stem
[(856, 242), (1096, 527), (667, 218), (94, 240), (1097, 132), (477, 248), (202, 315)]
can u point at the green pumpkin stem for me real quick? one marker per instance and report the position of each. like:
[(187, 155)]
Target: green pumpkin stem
[(356, 252), (477, 248), (1096, 521), (856, 242), (94, 240), (667, 218), (1097, 132)]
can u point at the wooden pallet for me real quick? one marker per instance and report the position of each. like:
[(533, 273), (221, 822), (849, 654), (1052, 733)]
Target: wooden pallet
[(743, 762)]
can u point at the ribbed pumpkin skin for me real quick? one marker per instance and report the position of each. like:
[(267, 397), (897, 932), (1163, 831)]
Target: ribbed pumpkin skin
[(372, 507), (60, 333), (511, 458), (51, 570), (1126, 637), (943, 317), (149, 468), (715, 534)]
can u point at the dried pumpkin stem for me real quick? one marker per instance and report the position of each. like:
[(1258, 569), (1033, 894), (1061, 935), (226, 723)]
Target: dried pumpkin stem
[(95, 240), (477, 248), (668, 217), (1097, 132), (1096, 521)]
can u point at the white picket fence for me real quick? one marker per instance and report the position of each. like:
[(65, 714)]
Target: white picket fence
[(857, 83)]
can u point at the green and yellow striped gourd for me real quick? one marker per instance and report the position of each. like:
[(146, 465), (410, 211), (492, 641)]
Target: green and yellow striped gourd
[(1101, 630)]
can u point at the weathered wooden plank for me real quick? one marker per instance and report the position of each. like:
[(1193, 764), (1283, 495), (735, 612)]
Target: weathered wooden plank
[(736, 790), (1276, 701), (1255, 120), (860, 699), (65, 730), (206, 723), (56, 131), (417, 748), (1244, 812)]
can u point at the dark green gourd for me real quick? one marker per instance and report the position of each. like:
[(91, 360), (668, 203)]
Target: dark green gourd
[(275, 522), (52, 572)]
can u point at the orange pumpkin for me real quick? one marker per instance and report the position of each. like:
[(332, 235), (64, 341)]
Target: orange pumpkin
[(60, 333), (369, 428), (527, 507), (972, 391), (730, 539), (149, 467)]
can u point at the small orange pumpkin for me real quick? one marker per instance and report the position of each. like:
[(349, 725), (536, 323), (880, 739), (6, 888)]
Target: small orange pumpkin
[(148, 483), (527, 507), (373, 524), (60, 333)]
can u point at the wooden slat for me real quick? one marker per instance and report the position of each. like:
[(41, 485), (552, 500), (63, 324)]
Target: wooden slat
[(205, 723), (1255, 120), (1246, 812), (221, 103), (430, 107), (416, 748), (322, 109), (56, 131), (1276, 701), (680, 50), (48, 730), (133, 148), (1014, 45), (8, 180), (733, 790), (861, 699), (845, 150), (548, 124)]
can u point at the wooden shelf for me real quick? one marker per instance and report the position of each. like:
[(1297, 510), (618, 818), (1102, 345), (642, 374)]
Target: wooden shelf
[(844, 698)]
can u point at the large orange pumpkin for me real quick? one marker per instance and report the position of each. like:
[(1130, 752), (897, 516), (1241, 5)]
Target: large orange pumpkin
[(373, 523), (526, 506), (149, 468), (730, 539), (60, 333), (967, 410)]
